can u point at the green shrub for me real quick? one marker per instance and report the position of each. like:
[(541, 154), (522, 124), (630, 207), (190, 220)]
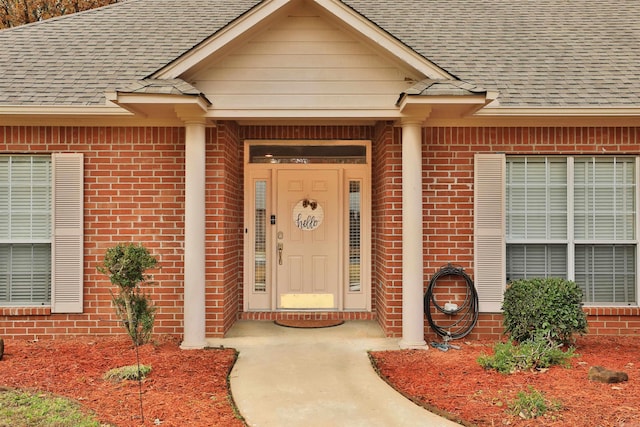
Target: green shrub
[(534, 354), (140, 327), (126, 266), (131, 372), (532, 404), (551, 308)]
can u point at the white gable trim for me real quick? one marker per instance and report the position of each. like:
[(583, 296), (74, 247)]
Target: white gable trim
[(221, 39), (381, 38), (269, 9)]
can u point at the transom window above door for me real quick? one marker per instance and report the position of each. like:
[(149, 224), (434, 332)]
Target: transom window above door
[(308, 154)]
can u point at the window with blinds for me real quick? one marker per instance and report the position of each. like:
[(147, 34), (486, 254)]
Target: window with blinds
[(260, 238), (574, 218), (355, 208), (25, 229)]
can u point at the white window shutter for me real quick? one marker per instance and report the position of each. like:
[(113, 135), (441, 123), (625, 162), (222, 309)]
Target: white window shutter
[(489, 230), (67, 242)]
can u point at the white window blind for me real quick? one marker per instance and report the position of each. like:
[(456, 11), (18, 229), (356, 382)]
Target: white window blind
[(605, 217), (604, 199), (607, 273), (355, 207), (536, 260), (25, 229), (260, 238), (536, 198), (574, 218)]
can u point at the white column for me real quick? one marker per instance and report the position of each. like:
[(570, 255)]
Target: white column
[(194, 236), (412, 256)]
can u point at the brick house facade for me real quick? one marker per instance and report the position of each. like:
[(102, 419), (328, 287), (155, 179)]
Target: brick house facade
[(137, 174), (134, 191)]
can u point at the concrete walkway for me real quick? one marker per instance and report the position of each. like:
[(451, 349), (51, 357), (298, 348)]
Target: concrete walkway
[(287, 377)]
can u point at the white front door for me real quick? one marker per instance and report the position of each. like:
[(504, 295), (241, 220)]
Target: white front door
[(308, 244)]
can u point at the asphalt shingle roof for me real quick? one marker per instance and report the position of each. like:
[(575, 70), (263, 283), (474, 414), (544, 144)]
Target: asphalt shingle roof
[(543, 53), (74, 59), (547, 53)]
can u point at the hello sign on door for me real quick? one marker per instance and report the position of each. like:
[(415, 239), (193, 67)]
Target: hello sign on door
[(308, 215)]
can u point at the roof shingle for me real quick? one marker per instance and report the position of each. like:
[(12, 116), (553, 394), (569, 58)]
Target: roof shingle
[(573, 53)]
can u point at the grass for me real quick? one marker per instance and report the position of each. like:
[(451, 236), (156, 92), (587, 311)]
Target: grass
[(130, 372), (21, 408)]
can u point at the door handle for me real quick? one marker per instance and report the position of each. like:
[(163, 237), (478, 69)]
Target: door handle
[(280, 248)]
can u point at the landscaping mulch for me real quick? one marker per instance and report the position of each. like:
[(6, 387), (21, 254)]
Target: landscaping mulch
[(189, 387), (185, 387), (455, 385)]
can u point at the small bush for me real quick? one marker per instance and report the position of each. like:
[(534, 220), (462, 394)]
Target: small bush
[(537, 354), (549, 308), (126, 266), (132, 372), (532, 404), (142, 312)]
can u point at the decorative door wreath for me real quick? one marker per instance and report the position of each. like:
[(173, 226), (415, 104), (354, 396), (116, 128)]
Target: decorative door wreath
[(308, 215)]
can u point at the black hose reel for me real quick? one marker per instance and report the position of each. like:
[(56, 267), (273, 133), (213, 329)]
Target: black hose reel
[(460, 318)]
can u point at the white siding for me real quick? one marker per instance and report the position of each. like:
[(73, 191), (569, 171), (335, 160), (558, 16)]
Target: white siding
[(302, 61)]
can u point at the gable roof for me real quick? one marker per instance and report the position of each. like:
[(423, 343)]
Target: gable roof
[(574, 53)]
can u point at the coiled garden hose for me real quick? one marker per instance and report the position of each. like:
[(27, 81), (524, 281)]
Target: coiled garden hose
[(463, 318)]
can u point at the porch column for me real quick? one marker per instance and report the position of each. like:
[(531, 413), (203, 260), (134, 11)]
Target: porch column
[(412, 255), (194, 236)]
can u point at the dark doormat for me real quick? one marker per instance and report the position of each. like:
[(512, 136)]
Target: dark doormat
[(293, 323)]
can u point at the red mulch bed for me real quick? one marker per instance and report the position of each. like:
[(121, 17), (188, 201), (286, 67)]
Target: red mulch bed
[(185, 387), (189, 387), (454, 383)]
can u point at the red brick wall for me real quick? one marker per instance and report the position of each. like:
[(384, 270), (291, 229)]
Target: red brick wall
[(613, 321), (448, 198), (134, 192), (387, 227), (224, 227), (601, 321), (358, 133)]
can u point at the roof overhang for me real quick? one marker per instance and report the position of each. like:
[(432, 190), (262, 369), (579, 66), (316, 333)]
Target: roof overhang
[(440, 98), (160, 98), (441, 106), (158, 106), (559, 112)]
